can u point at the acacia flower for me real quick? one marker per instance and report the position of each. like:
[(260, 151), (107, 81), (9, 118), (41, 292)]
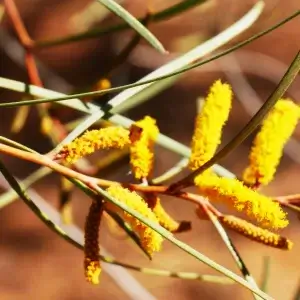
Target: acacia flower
[(141, 149), (268, 144), (256, 233), (165, 220), (105, 138), (209, 124), (150, 240), (232, 192), (91, 244)]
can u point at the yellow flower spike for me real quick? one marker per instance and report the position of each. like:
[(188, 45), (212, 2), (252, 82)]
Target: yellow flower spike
[(256, 233), (91, 244), (141, 149), (268, 144), (165, 220), (209, 124), (90, 141), (232, 192), (150, 240)]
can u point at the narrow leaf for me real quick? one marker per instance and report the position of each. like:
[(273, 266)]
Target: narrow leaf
[(167, 13), (76, 238), (134, 23)]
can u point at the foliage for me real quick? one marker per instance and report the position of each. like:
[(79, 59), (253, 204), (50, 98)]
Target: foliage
[(137, 207)]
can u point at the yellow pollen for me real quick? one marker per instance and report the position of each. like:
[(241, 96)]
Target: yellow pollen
[(209, 124), (232, 192), (268, 144), (90, 141), (165, 220), (256, 233), (141, 149), (150, 240)]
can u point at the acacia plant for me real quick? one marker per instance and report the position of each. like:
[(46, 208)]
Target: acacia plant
[(137, 207)]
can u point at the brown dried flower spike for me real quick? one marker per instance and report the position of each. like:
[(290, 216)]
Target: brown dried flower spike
[(91, 244), (256, 233)]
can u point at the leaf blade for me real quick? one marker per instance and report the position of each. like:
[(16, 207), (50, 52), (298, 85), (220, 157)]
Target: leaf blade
[(134, 23)]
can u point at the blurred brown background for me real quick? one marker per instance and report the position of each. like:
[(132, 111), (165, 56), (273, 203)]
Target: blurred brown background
[(35, 263)]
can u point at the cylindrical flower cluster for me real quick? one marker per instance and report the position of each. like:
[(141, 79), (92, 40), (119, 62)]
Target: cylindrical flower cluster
[(114, 137), (268, 144), (231, 191), (92, 266), (256, 233), (141, 149), (209, 124), (150, 240)]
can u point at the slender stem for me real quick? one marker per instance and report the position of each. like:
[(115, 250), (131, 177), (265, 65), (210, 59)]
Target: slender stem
[(128, 230), (232, 249), (16, 144), (95, 33), (19, 27), (128, 49), (10, 196), (30, 63), (65, 171), (25, 41), (78, 242), (297, 294), (134, 23), (283, 85), (292, 199), (35, 157), (266, 274), (186, 248), (288, 205), (166, 234), (32, 70), (144, 82), (172, 172)]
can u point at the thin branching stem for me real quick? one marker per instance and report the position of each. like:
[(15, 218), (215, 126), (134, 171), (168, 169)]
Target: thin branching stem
[(69, 173), (78, 243), (92, 184), (98, 32), (232, 249), (182, 70)]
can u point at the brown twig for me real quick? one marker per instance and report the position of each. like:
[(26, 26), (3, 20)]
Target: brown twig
[(90, 181), (93, 181), (58, 131), (18, 24), (32, 70), (291, 199)]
